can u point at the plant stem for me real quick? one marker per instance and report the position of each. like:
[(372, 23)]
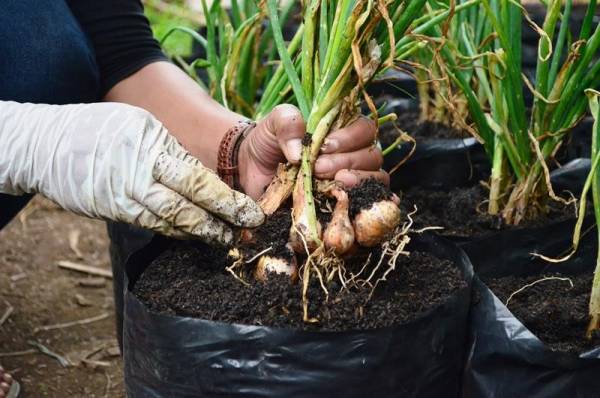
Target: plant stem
[(309, 156), (594, 306), (496, 178), (308, 49), (286, 60)]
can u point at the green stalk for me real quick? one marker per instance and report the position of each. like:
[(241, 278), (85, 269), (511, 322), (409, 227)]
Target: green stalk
[(235, 14), (308, 49), (195, 35), (573, 86), (266, 45), (560, 43), (543, 62), (586, 27), (309, 156), (496, 179), (323, 33), (279, 79), (211, 53), (286, 60), (512, 89), (594, 308)]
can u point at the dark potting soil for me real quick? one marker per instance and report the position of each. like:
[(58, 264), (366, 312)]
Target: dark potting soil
[(463, 211), (554, 310), (190, 280), (420, 131), (366, 193), (273, 233)]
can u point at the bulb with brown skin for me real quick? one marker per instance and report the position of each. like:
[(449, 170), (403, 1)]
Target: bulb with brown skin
[(269, 264), (339, 233), (373, 225), (299, 232)]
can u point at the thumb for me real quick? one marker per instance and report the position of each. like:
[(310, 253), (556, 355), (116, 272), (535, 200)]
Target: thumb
[(286, 124)]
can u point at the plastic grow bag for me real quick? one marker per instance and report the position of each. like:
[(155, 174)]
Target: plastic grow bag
[(507, 360), (513, 247), (438, 163), (170, 356)]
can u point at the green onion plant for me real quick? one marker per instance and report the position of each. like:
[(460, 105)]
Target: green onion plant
[(466, 32), (592, 182), (519, 142)]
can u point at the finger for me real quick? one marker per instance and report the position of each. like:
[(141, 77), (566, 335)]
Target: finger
[(285, 122), (175, 149), (205, 189), (185, 216), (350, 178), (140, 216), (355, 136), (364, 159)]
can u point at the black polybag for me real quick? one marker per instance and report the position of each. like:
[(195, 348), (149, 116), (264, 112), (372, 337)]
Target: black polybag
[(171, 356), (571, 176), (438, 163), (513, 247), (507, 360)]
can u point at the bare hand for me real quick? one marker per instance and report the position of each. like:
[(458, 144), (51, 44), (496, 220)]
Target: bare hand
[(348, 155)]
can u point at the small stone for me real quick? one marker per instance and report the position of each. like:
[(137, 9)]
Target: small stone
[(82, 301), (113, 351), (92, 282)]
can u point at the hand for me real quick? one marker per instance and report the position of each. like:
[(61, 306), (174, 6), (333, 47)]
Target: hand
[(117, 162), (348, 155)]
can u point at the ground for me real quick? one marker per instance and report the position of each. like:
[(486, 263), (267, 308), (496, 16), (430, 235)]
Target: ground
[(42, 294)]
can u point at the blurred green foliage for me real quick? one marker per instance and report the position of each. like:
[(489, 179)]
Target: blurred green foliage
[(161, 20)]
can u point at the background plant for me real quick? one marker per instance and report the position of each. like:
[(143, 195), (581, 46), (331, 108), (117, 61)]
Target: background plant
[(467, 33), (518, 142)]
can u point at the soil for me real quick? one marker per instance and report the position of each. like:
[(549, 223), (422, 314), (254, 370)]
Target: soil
[(555, 311), (273, 233), (307, 140), (420, 131), (41, 293), (462, 212), (190, 280)]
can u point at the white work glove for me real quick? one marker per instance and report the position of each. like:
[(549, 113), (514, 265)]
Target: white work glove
[(117, 162)]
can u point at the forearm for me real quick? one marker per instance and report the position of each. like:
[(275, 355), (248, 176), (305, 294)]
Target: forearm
[(181, 105)]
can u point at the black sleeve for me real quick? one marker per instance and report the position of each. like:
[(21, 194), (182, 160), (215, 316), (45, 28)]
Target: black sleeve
[(121, 36)]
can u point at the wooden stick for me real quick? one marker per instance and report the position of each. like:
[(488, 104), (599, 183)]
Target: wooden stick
[(64, 362), (72, 323), (9, 310), (86, 269), (18, 353)]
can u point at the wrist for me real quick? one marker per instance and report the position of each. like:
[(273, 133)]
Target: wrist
[(243, 165), (228, 162)]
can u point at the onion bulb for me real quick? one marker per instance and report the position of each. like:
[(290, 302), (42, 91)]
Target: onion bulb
[(373, 225), (268, 264), (299, 233), (339, 233)]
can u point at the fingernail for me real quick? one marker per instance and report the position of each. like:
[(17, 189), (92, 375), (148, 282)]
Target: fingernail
[(323, 166), (294, 149), (329, 145)]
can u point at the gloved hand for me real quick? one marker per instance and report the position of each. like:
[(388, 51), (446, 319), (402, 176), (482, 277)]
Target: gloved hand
[(117, 162)]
